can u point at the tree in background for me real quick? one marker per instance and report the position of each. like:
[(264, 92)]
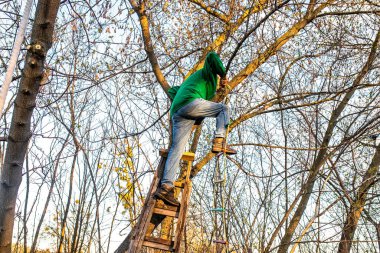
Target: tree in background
[(19, 132)]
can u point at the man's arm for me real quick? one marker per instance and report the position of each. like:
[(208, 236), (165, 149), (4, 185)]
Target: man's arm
[(216, 64)]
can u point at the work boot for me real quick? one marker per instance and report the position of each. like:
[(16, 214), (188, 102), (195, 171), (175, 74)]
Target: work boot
[(219, 145), (166, 193)]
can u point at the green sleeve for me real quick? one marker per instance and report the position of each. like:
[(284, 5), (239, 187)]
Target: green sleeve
[(213, 66), (173, 91), (216, 64)]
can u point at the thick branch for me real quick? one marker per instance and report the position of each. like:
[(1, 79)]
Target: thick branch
[(148, 46), (220, 40), (245, 37), (273, 49), (211, 11)]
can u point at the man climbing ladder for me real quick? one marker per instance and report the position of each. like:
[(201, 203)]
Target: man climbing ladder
[(191, 103)]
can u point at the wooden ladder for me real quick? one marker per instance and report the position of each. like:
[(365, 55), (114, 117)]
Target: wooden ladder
[(155, 210)]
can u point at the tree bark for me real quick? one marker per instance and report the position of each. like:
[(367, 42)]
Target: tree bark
[(19, 133)]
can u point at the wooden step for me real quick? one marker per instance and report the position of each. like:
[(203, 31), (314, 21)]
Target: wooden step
[(187, 156), (179, 184), (166, 212), (218, 181), (161, 204), (220, 241), (158, 243), (156, 210)]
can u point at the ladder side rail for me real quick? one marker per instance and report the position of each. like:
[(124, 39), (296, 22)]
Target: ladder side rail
[(183, 210), (144, 220)]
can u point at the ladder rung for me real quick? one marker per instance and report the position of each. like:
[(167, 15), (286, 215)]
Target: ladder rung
[(187, 156), (158, 243), (166, 212), (218, 209), (220, 241), (219, 181), (158, 240), (179, 184), (160, 204)]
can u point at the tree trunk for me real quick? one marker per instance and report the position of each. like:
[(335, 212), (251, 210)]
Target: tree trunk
[(321, 157), (19, 133)]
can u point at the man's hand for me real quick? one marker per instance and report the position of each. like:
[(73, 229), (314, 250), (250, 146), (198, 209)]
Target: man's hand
[(223, 86), (223, 82)]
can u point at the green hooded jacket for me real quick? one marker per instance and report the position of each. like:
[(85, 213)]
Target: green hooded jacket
[(201, 84)]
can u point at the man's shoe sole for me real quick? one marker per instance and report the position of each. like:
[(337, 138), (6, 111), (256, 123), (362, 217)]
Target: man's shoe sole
[(220, 150), (158, 195), (216, 150)]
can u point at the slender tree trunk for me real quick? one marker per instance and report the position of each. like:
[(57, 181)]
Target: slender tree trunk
[(26, 207), (357, 205), (378, 235), (63, 227), (50, 193), (376, 224), (19, 133), (15, 53), (72, 131)]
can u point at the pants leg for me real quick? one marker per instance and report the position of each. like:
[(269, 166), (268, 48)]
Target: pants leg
[(183, 120), (201, 108), (180, 133)]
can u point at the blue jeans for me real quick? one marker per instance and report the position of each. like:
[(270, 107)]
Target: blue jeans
[(183, 120)]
